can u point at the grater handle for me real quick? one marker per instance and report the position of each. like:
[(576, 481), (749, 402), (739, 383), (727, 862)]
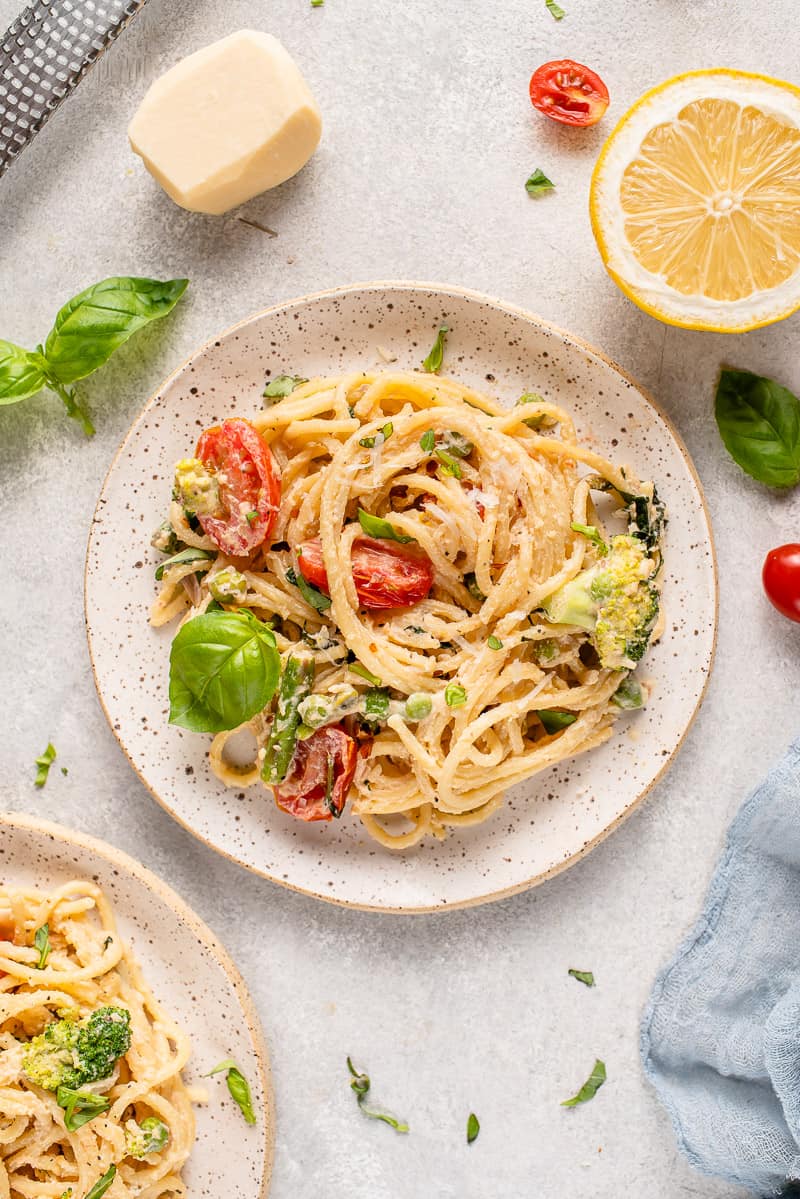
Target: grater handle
[(43, 57)]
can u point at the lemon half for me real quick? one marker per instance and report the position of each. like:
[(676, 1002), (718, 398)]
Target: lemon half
[(695, 201)]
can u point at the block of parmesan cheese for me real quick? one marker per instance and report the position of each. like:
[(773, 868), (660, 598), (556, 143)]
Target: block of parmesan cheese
[(227, 123)]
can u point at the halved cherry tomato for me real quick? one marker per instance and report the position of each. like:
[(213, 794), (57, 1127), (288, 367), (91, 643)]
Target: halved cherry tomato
[(385, 575), (568, 92), (781, 577), (249, 486), (322, 766)]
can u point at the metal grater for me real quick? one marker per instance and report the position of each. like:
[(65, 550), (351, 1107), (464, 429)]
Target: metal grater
[(44, 56)]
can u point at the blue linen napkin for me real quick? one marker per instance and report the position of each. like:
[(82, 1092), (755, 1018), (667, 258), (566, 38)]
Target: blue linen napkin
[(721, 1034)]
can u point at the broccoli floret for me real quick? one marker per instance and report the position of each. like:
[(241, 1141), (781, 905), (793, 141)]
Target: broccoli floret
[(151, 1136), (615, 600), (72, 1053)]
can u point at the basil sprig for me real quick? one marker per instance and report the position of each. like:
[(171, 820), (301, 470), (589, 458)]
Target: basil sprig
[(360, 1084), (87, 331), (80, 1106), (223, 669), (759, 422), (590, 1088), (376, 526), (239, 1088)]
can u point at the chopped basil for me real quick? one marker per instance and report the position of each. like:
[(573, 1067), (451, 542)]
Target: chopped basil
[(101, 1186), (376, 526), (317, 599), (447, 464), (188, 555), (471, 584), (553, 8), (282, 385), (80, 1106), (44, 762), (376, 704), (363, 673), (433, 363), (473, 1128), (360, 1084), (369, 442), (590, 1088), (583, 976), (428, 441), (238, 1087), (538, 183), (454, 695), (554, 720), (494, 642), (41, 942), (591, 533)]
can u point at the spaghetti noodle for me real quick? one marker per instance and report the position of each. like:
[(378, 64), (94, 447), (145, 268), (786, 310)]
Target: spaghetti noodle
[(61, 961), (502, 508)]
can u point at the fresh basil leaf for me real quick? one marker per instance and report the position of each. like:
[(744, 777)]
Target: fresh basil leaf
[(583, 976), (759, 422), (41, 942), (376, 526), (101, 1186), (448, 465), (96, 322), (224, 668), (454, 695), (428, 440), (590, 1088), (473, 1128), (80, 1106), (369, 442), (555, 9), (43, 764), (282, 385), (363, 673), (188, 555), (554, 721), (360, 1084), (21, 373), (433, 363), (376, 703), (538, 183)]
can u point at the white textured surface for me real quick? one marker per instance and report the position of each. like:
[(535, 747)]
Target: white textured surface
[(429, 138)]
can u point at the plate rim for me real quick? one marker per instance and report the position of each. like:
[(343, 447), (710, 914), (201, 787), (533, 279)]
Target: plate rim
[(118, 859), (517, 310)]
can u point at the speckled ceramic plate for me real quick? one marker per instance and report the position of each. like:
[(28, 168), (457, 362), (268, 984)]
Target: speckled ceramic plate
[(546, 823), (190, 973)]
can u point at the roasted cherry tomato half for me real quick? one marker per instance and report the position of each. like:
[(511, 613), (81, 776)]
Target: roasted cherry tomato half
[(320, 775), (249, 486), (781, 577), (569, 93), (385, 575)]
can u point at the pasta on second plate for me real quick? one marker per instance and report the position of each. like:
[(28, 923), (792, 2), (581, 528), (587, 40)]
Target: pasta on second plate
[(91, 1093), (450, 614)]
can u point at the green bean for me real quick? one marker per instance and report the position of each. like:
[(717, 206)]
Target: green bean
[(296, 683)]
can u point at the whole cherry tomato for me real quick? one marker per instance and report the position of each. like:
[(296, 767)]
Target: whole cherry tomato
[(569, 93), (781, 578)]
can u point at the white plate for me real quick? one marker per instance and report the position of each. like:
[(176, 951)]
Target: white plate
[(190, 973), (546, 823)]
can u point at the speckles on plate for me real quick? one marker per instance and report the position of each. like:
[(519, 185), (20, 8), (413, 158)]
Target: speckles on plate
[(493, 347)]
